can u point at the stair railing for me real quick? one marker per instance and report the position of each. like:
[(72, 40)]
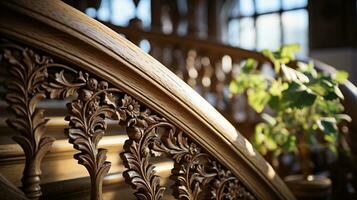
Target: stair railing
[(53, 51)]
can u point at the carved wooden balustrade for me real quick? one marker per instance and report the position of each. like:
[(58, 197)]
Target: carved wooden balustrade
[(52, 53)]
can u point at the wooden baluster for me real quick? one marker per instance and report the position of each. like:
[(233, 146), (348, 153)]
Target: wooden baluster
[(219, 77), (160, 50), (178, 62), (142, 132), (199, 72), (213, 61), (167, 55), (193, 18), (135, 23), (227, 66), (214, 20), (87, 126), (28, 73), (234, 100), (229, 99), (208, 72), (190, 68), (156, 13), (155, 50), (174, 15)]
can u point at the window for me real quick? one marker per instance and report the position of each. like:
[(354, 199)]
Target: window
[(120, 12), (261, 24)]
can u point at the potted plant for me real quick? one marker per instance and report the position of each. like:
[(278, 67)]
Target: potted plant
[(301, 109)]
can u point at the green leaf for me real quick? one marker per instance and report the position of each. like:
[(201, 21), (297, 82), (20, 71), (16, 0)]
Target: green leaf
[(257, 99), (239, 84), (298, 96), (275, 102), (269, 54), (235, 87), (333, 149), (293, 75), (269, 119), (340, 117), (290, 144), (277, 87), (289, 51), (249, 65), (341, 76), (329, 127), (331, 106), (338, 92)]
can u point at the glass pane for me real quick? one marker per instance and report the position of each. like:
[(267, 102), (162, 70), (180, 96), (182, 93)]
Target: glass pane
[(268, 29), (92, 12), (246, 7), (143, 12), (122, 12), (267, 6), (104, 11), (295, 27), (233, 32), (289, 4), (247, 33)]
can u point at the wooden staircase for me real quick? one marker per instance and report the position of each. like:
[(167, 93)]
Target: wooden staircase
[(109, 86), (126, 114)]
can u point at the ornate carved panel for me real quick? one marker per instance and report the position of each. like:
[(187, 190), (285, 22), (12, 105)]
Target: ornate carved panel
[(198, 174)]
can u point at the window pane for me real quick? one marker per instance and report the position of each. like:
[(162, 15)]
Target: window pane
[(268, 29), (247, 33), (144, 12), (233, 32), (246, 7), (123, 11), (104, 11), (267, 6), (92, 12), (289, 4), (295, 29)]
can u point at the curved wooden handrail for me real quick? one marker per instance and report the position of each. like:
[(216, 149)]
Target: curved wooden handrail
[(59, 30)]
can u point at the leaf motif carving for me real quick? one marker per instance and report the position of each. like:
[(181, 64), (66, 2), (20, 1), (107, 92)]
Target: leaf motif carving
[(28, 72), (141, 129), (189, 169), (87, 124), (62, 88)]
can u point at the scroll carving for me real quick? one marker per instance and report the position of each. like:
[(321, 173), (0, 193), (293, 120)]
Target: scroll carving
[(94, 103), (86, 118), (28, 73), (141, 128), (197, 173)]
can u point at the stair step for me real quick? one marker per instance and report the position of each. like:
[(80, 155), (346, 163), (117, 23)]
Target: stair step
[(59, 159), (114, 186), (56, 163), (55, 128)]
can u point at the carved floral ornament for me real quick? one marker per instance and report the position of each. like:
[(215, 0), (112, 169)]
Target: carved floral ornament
[(198, 175)]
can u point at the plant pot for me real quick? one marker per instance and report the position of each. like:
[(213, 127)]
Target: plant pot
[(314, 187)]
